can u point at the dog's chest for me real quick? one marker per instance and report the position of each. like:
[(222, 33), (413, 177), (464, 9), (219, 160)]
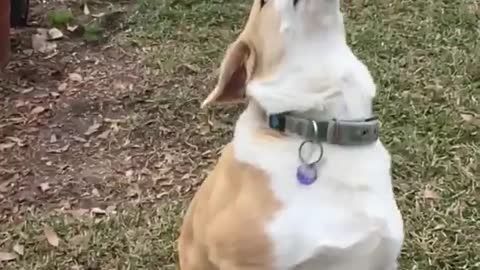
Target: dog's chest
[(334, 231)]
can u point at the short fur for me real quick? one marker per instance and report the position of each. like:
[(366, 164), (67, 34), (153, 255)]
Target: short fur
[(251, 213)]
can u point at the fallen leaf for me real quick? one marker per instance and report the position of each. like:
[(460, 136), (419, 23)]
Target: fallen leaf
[(78, 213), (40, 42), (72, 28), (62, 87), (133, 191), (55, 34), (98, 211), (20, 103), (44, 186), (95, 192), (59, 150), (37, 110), (129, 173), (467, 117), (101, 14), (4, 185), (104, 135), (54, 94), (19, 249), (79, 139), (80, 240), (5, 146), (430, 194), (65, 204), (111, 209), (18, 141), (53, 138), (7, 256), (27, 90), (51, 236), (86, 10), (75, 77), (92, 129), (119, 86)]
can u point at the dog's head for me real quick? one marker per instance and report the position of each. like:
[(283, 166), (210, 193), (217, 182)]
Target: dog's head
[(277, 40)]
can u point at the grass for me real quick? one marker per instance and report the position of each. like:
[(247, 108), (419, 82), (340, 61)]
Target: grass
[(424, 56)]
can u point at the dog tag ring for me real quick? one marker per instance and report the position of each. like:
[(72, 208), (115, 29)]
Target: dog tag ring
[(307, 172)]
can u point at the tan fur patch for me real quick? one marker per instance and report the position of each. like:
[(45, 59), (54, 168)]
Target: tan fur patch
[(256, 54), (224, 225)]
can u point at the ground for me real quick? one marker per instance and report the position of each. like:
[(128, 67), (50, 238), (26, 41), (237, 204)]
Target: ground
[(103, 143)]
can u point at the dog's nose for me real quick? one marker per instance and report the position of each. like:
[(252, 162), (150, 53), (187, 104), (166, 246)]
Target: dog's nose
[(295, 2)]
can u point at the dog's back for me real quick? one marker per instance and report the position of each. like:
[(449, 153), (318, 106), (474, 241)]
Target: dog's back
[(225, 223), (254, 212)]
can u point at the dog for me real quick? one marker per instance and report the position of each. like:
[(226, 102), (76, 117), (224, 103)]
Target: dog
[(305, 182)]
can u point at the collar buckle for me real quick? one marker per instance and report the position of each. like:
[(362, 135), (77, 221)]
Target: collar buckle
[(352, 132)]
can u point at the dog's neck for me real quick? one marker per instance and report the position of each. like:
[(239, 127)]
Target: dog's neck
[(320, 78), (329, 84)]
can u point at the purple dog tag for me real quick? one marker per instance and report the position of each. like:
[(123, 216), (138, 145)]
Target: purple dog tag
[(306, 174)]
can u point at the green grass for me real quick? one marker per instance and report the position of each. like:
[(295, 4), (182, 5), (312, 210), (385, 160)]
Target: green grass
[(425, 58)]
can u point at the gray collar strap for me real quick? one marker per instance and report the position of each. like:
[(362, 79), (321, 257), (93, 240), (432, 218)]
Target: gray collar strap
[(340, 132)]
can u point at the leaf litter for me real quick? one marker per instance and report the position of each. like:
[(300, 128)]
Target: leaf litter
[(7, 256), (51, 236)]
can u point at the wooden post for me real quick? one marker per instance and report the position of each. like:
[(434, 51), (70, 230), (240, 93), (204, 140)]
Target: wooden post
[(4, 32)]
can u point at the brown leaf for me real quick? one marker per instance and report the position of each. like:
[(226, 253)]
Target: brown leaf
[(78, 213), (129, 173), (62, 87), (104, 135), (40, 42), (75, 77), (59, 150), (72, 28), (37, 110), (86, 10), (79, 139), (92, 129), (27, 90), (51, 236), (5, 146), (55, 34), (98, 211), (430, 194), (111, 209), (18, 141), (19, 249), (4, 185), (467, 117), (7, 256), (53, 138), (80, 240), (44, 186), (95, 192)]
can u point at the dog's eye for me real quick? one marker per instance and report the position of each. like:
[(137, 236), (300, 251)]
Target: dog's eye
[(262, 3)]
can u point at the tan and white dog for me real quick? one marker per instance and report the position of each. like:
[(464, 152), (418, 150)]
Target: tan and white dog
[(253, 212)]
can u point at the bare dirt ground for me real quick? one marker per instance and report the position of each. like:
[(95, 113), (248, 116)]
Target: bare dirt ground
[(91, 129), (102, 142), (79, 128)]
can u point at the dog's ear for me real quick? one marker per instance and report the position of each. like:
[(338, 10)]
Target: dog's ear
[(233, 76)]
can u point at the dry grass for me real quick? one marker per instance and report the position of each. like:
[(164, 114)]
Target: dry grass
[(424, 57)]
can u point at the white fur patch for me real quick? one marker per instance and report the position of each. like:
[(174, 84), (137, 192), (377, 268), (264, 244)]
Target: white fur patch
[(348, 219)]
